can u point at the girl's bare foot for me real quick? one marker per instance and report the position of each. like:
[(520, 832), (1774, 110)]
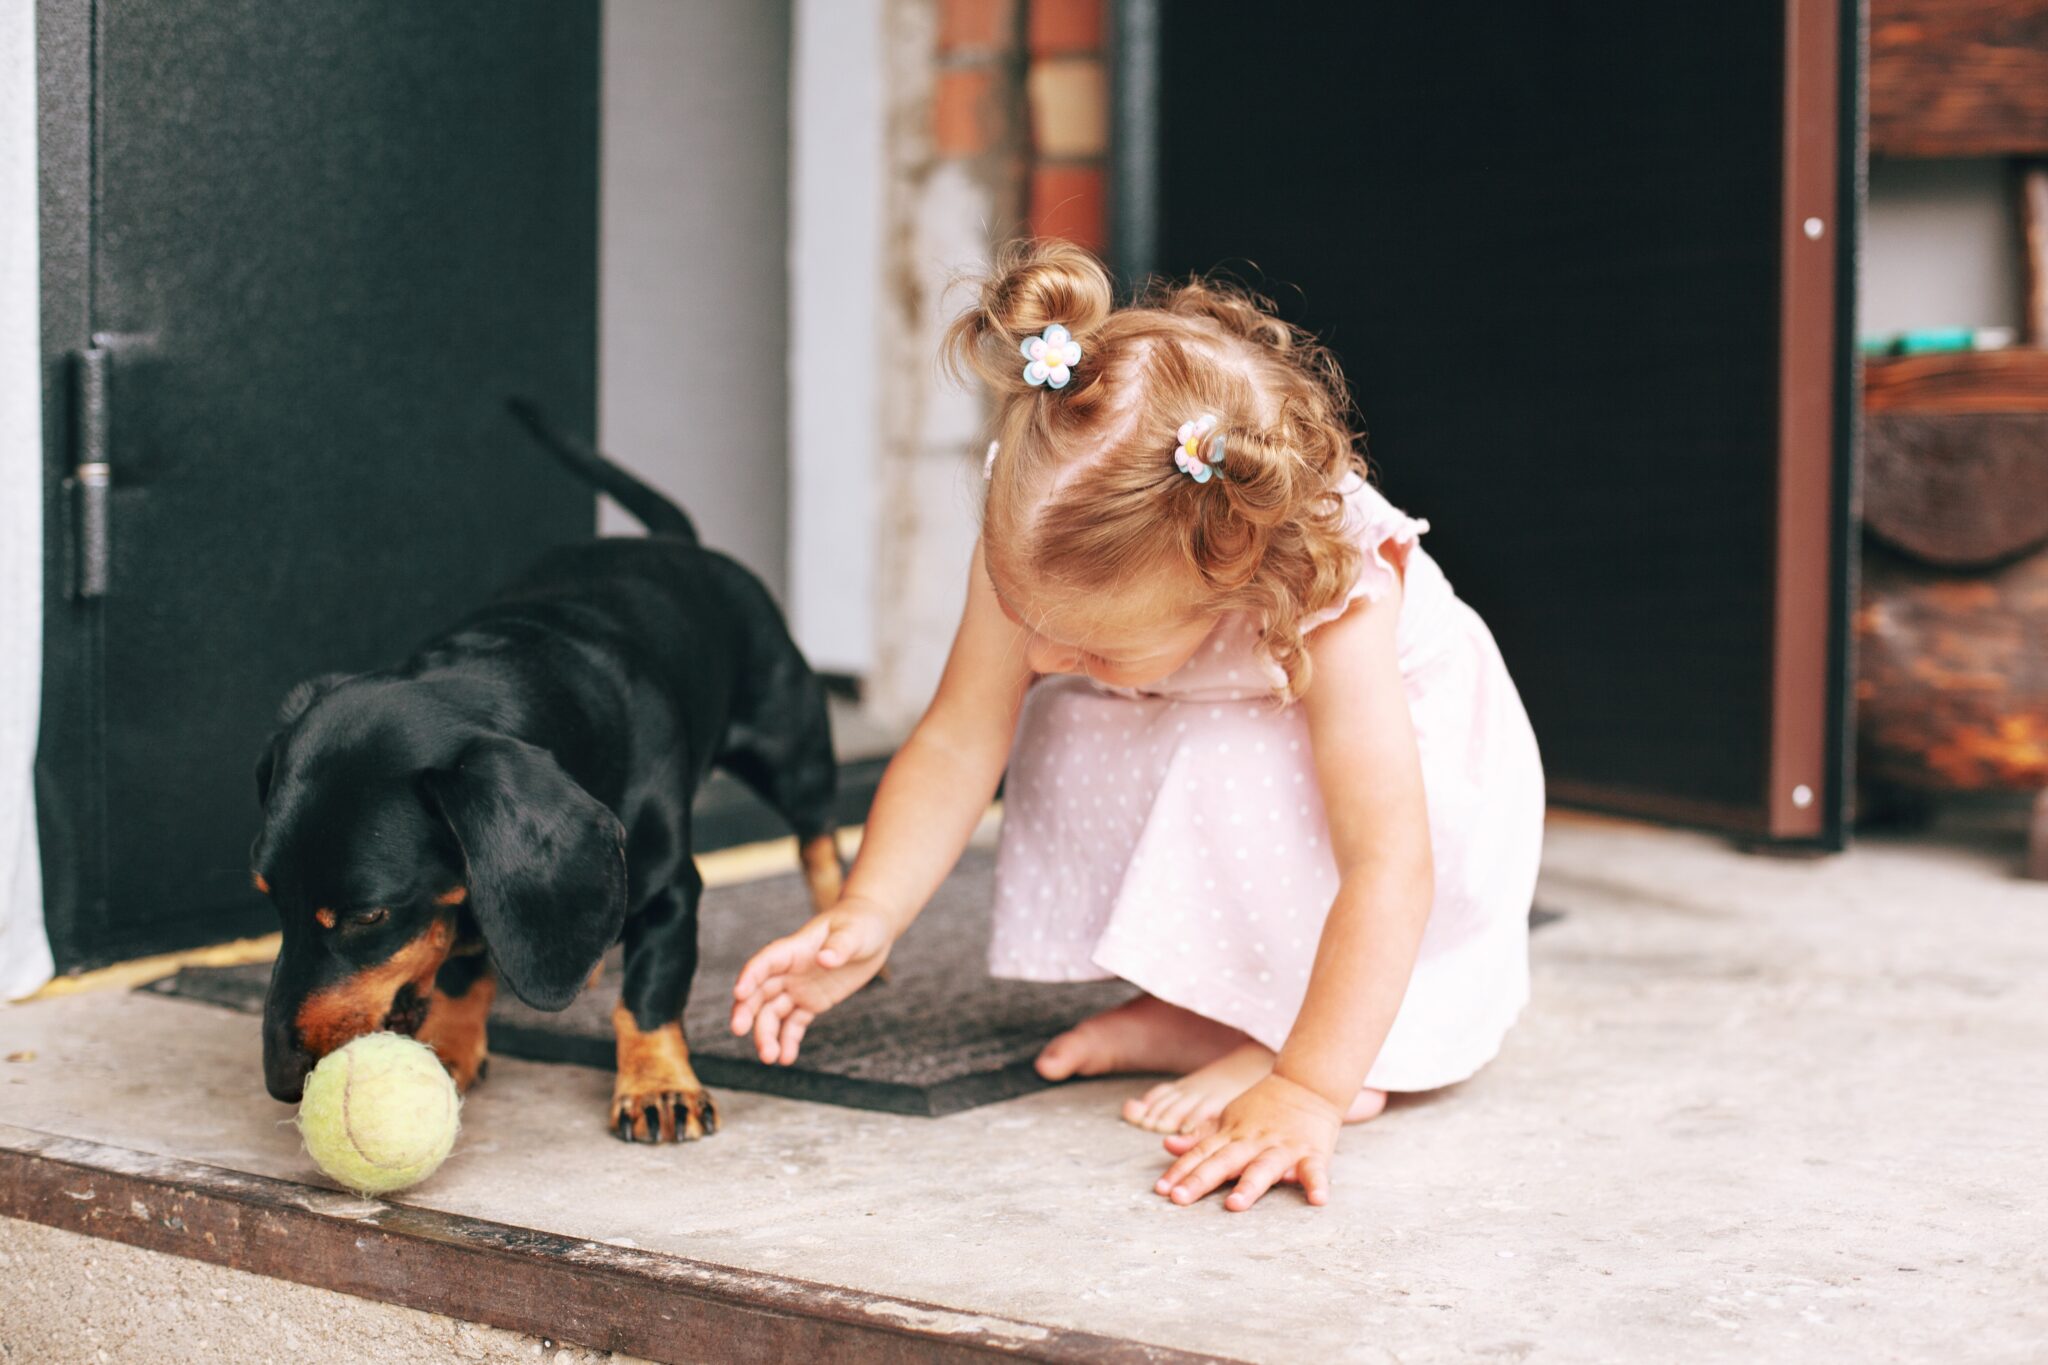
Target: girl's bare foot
[(1178, 1106), (1145, 1034), (1182, 1106), (1366, 1107)]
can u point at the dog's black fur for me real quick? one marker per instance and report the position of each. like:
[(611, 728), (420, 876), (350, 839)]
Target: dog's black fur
[(523, 785)]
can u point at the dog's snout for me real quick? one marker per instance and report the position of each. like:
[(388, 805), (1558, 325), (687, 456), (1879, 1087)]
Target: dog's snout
[(288, 1082), (285, 1078), (285, 1063)]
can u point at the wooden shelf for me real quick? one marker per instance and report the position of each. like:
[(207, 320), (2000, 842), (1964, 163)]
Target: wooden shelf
[(1959, 77), (2011, 381)]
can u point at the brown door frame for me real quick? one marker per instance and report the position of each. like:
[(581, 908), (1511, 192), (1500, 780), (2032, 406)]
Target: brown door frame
[(1816, 421), (1811, 703)]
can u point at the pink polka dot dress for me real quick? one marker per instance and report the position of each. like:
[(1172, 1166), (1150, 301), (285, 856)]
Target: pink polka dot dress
[(1175, 837)]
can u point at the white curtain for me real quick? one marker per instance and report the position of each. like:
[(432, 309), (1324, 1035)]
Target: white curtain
[(24, 949)]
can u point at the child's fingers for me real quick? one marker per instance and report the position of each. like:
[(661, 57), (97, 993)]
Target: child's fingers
[(768, 1028), (1315, 1178), (780, 957), (849, 939), (1191, 1156), (793, 1033), (1258, 1177), (1184, 1179), (1179, 1143), (768, 961), (1213, 1171), (841, 946), (744, 1010)]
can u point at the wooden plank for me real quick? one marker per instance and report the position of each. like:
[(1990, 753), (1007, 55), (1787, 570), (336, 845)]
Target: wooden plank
[(568, 1289), (2014, 380), (1960, 490), (1952, 676), (1959, 77)]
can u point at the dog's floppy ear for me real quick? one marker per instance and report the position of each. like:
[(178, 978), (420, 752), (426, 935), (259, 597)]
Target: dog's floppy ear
[(546, 864), (266, 765), (300, 699), (296, 703)]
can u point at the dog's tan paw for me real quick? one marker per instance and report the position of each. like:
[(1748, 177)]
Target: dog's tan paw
[(663, 1115)]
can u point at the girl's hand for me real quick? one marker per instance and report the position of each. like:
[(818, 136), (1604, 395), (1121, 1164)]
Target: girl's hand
[(1275, 1131), (795, 979)]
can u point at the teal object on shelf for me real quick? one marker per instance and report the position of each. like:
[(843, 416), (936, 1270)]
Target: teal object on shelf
[(1930, 340), (1936, 341)]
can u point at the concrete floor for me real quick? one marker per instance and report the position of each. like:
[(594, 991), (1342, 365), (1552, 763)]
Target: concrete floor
[(1760, 1110)]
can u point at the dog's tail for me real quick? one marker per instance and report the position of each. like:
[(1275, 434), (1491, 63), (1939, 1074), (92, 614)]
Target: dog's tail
[(660, 516)]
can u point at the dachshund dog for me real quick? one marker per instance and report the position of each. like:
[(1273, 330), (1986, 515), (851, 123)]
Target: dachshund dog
[(515, 798)]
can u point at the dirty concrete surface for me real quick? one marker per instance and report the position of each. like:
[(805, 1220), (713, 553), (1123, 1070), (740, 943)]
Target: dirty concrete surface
[(1759, 1110)]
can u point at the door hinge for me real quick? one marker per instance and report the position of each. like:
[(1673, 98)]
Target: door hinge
[(92, 476)]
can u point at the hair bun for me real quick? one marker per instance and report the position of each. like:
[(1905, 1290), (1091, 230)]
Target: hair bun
[(1035, 284), (1031, 286)]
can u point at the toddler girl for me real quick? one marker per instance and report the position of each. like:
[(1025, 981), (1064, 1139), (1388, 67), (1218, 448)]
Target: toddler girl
[(1263, 763)]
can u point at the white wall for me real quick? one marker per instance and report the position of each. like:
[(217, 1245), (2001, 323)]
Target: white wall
[(838, 181), (746, 346), (24, 953), (1940, 246), (693, 334)]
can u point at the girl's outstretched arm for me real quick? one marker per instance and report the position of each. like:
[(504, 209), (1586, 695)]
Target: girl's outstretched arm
[(1371, 777), (930, 799)]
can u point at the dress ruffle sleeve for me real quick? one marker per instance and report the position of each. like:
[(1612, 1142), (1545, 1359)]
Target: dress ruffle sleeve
[(1385, 536)]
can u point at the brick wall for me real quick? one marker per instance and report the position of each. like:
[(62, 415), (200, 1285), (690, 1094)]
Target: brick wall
[(1057, 50), (1067, 93), (998, 129)]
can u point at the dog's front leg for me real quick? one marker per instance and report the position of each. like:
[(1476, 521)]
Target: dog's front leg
[(656, 1096), (458, 1014)]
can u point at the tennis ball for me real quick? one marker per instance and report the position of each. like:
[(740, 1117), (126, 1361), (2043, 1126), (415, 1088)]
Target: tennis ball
[(380, 1113)]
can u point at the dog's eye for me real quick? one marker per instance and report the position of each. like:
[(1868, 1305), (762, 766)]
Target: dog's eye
[(363, 919)]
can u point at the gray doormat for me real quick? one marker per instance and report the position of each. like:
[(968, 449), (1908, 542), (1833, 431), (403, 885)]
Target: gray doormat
[(939, 1036)]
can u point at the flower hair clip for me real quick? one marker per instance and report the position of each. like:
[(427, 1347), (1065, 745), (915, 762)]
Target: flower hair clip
[(1188, 453), (1052, 354)]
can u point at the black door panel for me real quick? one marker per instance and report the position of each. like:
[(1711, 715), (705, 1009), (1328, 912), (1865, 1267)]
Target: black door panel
[(1549, 242), (320, 245)]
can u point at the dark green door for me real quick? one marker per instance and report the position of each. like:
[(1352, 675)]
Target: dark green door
[(309, 249)]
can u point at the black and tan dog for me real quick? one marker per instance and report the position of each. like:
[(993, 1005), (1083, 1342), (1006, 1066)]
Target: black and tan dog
[(515, 798)]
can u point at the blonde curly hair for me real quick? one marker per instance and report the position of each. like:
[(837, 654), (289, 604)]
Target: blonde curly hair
[(1084, 495)]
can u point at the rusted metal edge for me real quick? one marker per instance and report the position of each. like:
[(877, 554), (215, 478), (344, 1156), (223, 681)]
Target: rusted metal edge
[(567, 1289)]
